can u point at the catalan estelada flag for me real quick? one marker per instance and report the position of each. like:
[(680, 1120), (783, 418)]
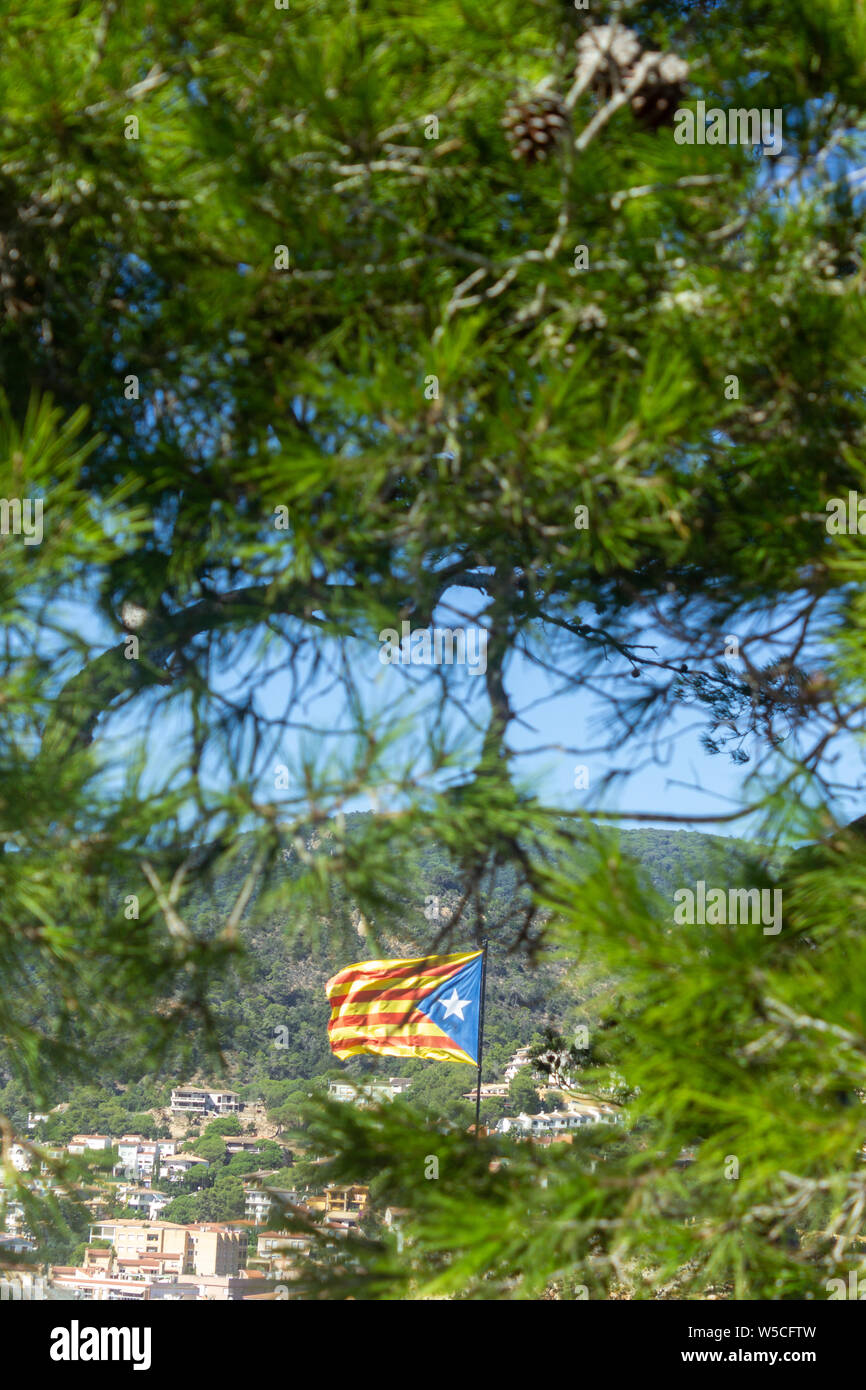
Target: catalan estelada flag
[(427, 1007)]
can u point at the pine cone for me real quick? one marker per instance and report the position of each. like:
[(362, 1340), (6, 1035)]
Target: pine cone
[(654, 105), (133, 615), (532, 127), (609, 52)]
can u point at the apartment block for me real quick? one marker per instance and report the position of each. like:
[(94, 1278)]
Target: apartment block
[(202, 1249)]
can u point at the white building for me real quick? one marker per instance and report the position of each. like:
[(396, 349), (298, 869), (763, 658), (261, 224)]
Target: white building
[(555, 1121), (259, 1203), (520, 1059), (177, 1166), (142, 1199), (489, 1091), (80, 1143), (201, 1100), (244, 1143), (141, 1158), (16, 1222), (360, 1092), (12, 1243), (125, 1286), (22, 1286), (20, 1158)]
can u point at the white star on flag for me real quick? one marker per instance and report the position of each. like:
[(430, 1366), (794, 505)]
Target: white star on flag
[(455, 1005)]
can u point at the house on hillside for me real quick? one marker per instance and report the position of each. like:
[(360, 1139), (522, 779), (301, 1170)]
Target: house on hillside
[(520, 1059), (394, 1216), (177, 1166), (363, 1092), (142, 1199), (80, 1143), (260, 1200), (245, 1143), (141, 1158), (336, 1198), (554, 1122), (203, 1100), (489, 1089)]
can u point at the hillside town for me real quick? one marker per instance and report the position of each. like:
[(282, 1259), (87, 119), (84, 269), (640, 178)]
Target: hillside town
[(133, 1251)]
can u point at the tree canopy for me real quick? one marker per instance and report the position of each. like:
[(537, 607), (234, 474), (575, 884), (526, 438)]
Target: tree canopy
[(299, 343)]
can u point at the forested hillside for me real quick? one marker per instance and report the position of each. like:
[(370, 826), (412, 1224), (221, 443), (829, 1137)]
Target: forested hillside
[(267, 1004)]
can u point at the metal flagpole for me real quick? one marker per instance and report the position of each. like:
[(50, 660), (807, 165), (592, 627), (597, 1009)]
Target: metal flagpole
[(481, 1035)]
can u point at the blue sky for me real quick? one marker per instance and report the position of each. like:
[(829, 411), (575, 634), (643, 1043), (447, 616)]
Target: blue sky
[(674, 777)]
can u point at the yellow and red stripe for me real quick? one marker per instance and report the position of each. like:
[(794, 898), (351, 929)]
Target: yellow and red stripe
[(375, 1008)]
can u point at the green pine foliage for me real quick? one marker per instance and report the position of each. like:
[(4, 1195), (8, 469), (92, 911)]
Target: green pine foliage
[(292, 350)]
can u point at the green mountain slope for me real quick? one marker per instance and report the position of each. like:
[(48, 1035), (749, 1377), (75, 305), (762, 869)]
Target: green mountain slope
[(265, 1008)]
